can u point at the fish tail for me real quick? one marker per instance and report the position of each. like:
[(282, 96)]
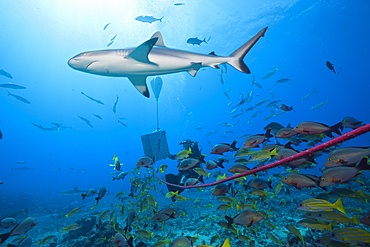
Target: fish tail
[(267, 134), (354, 220), (273, 152), (269, 185), (219, 164), (335, 128), (226, 243), (129, 241), (201, 159), (4, 237), (233, 145), (8, 93), (329, 227), (363, 165), (229, 220), (238, 55), (339, 206), (161, 19), (67, 215)]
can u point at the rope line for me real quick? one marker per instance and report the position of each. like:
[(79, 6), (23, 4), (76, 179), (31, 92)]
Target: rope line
[(345, 137)]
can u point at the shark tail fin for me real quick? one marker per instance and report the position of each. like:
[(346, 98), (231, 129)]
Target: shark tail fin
[(238, 55)]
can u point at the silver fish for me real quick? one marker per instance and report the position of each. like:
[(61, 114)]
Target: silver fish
[(6, 74), (115, 105), (309, 94), (147, 19), (86, 121), (319, 105), (97, 101), (20, 98), (12, 86), (231, 125), (110, 43), (271, 73), (262, 102), (211, 133), (122, 123), (105, 27), (255, 83), (114, 37), (97, 116)]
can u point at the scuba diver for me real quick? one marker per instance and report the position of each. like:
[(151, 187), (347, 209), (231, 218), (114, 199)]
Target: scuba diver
[(181, 177)]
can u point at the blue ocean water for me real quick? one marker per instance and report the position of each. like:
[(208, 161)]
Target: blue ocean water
[(39, 37)]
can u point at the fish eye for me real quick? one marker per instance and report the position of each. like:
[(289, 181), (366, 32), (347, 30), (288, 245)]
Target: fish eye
[(323, 179), (329, 159), (286, 178)]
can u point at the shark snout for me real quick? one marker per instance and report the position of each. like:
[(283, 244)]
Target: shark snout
[(72, 62), (77, 63)]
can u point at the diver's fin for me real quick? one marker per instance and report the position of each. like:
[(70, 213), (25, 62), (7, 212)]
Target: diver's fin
[(141, 52), (140, 83), (158, 35), (238, 55), (173, 179)]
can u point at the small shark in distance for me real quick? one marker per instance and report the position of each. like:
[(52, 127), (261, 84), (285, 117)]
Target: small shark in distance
[(73, 192), (153, 58)]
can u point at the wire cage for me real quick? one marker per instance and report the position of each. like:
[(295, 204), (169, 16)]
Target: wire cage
[(156, 143)]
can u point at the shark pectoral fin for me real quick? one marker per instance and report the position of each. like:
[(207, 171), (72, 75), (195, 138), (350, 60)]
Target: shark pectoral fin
[(194, 68), (158, 35), (140, 83), (141, 52)]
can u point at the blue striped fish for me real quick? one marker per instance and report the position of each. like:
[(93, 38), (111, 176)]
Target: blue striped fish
[(351, 235), (295, 231), (319, 205)]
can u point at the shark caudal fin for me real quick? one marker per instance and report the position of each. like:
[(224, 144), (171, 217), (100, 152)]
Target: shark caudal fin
[(239, 54)]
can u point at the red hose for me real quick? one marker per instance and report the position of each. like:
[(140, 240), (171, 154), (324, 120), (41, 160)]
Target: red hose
[(345, 137)]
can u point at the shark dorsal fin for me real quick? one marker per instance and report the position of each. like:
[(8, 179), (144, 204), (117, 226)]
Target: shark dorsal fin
[(75, 188), (141, 52), (158, 35)]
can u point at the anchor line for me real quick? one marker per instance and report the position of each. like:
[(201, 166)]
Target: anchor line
[(345, 137)]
